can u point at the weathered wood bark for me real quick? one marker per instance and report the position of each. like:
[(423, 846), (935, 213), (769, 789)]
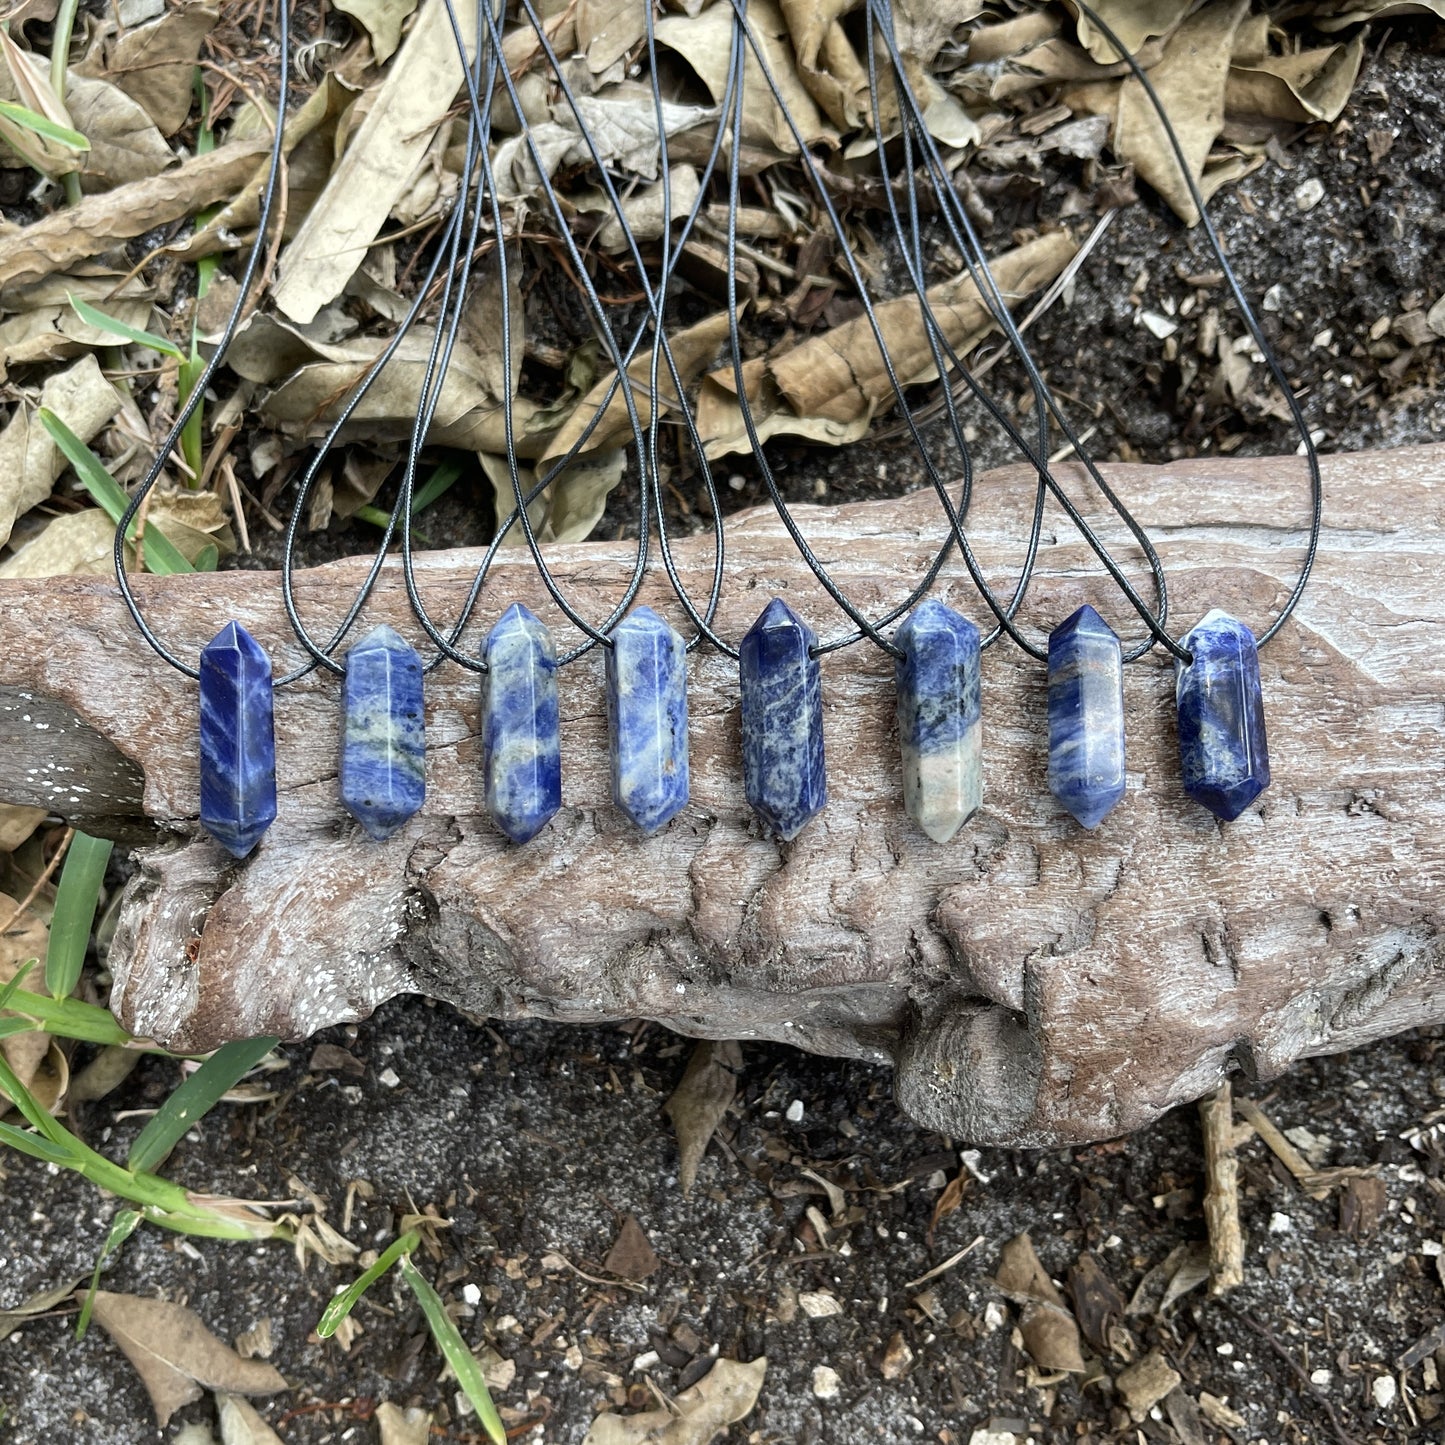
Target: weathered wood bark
[(1031, 983)]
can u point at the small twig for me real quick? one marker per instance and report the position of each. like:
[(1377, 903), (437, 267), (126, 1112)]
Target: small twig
[(40, 882), (1282, 1149), (1307, 1386), (947, 1265), (1221, 1195)]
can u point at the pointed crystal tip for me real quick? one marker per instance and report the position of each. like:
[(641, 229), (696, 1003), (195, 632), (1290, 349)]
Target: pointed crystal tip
[(383, 745), (237, 740), (784, 772), (647, 716), (1086, 717)]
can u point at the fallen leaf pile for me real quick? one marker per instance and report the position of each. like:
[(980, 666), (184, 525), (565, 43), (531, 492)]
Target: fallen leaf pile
[(134, 188)]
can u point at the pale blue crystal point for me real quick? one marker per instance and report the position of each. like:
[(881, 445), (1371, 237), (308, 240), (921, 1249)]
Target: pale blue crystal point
[(521, 728), (647, 719), (784, 773), (1223, 754), (939, 720), (238, 740), (383, 744), (1086, 716)]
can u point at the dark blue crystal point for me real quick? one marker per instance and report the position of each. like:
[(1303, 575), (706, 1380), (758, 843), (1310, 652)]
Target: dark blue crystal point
[(521, 730), (940, 731), (238, 740), (782, 697), (647, 718), (1086, 716), (383, 744), (1222, 750)]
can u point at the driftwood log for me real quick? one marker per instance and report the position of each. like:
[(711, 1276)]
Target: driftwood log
[(1031, 983)]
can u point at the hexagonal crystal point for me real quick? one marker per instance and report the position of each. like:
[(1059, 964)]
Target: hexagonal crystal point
[(1086, 716), (238, 740), (784, 772), (1223, 752), (647, 719), (939, 727), (383, 743), (521, 727)]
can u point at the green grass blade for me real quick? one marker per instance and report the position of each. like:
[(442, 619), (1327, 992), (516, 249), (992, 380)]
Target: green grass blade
[(34, 1145), (75, 904), (341, 1305), (192, 437), (41, 125), (435, 486), (196, 1097), (454, 1351), (121, 1228), (16, 979), (98, 319), (70, 1018), (207, 558), (162, 556)]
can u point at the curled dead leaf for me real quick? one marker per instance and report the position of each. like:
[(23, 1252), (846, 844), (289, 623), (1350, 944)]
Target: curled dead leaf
[(726, 1394), (701, 1099)]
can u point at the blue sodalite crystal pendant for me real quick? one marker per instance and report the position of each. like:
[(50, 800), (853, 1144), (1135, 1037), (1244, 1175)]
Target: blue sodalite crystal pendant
[(383, 744), (939, 728), (521, 731), (238, 740), (647, 719), (1086, 716), (1222, 750), (782, 703)]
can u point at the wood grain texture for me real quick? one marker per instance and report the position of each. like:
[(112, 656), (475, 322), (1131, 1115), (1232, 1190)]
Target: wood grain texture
[(1031, 983)]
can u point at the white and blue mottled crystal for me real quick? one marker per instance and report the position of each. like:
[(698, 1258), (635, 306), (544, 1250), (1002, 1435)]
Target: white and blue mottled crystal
[(1086, 716), (521, 728), (238, 740), (383, 742), (647, 719), (784, 773), (939, 724), (1223, 754)]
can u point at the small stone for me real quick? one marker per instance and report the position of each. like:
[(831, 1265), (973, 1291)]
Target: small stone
[(521, 727), (1086, 716), (784, 772), (1308, 194), (647, 719), (1321, 1377), (897, 1358), (1280, 1224), (1384, 1390), (826, 1384), (939, 728), (794, 1114), (818, 1304), (1223, 753), (1144, 1383), (383, 742), (238, 740)]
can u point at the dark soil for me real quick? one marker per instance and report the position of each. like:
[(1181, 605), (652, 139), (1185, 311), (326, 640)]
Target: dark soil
[(535, 1141)]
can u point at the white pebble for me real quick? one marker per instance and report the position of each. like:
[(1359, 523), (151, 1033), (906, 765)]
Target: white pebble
[(795, 1112), (1383, 1390), (826, 1383), (1280, 1224), (389, 1077), (1308, 194), (1320, 1377)]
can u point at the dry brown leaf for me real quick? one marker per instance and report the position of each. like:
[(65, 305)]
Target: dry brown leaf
[(175, 1354), (724, 433), (622, 122), (1098, 1305), (241, 1424), (607, 30), (1355, 12), (726, 1394), (1133, 21), (643, 209), (701, 1099), (124, 142), (827, 63), (1021, 1273), (571, 507), (98, 223), (705, 42), (378, 165), (46, 328), (1051, 1337), (39, 1303), (382, 20), (82, 543), (16, 825), (839, 375), (29, 461), (154, 63), (402, 1427), (1307, 86), (632, 1255), (693, 348), (1190, 81), (24, 78)]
